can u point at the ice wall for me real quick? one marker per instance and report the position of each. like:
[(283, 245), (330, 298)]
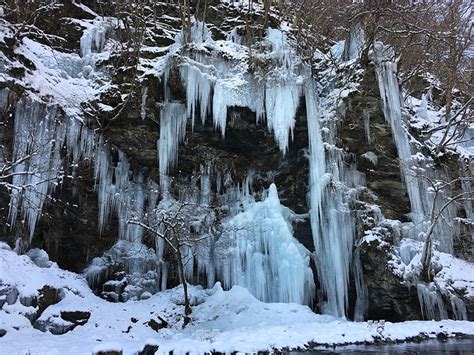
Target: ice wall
[(213, 84)]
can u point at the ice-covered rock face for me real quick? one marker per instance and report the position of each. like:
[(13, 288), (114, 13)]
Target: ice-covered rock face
[(218, 77)]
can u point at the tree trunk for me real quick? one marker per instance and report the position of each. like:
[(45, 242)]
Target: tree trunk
[(182, 279)]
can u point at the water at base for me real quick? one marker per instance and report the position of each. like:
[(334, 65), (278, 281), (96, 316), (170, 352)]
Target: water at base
[(451, 346)]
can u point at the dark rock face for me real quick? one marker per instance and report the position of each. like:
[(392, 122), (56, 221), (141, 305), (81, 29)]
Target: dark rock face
[(389, 299), (365, 130)]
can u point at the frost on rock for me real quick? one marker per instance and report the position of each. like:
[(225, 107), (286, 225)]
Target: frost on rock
[(263, 256)]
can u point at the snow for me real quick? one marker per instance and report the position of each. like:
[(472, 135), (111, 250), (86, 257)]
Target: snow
[(237, 320)]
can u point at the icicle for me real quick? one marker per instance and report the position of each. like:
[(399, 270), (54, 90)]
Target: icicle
[(92, 40), (367, 126), (423, 110), (362, 301), (459, 308), (205, 185), (354, 45), (172, 132), (416, 183), (281, 103), (143, 104), (198, 90), (386, 70), (39, 139)]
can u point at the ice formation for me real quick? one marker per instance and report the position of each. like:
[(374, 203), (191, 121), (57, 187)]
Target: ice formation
[(354, 45), (263, 255), (415, 168), (431, 301), (173, 120), (215, 84), (331, 223), (257, 242), (92, 41)]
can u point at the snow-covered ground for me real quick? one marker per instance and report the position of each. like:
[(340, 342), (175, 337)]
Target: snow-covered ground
[(223, 321)]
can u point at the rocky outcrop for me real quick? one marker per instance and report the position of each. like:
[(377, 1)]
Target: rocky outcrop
[(389, 298)]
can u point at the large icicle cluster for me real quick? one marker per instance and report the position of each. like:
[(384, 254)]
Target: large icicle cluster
[(263, 256), (40, 135), (214, 84), (331, 222)]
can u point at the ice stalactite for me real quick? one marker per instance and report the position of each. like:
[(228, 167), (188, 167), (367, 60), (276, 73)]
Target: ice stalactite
[(386, 70), (362, 300), (366, 115), (37, 144), (218, 84), (143, 103), (354, 45), (199, 86), (431, 301), (331, 223), (173, 120), (263, 256), (92, 41)]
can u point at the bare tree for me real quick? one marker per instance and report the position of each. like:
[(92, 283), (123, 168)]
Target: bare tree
[(172, 227), (439, 188)]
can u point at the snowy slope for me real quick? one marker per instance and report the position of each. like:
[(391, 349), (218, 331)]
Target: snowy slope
[(239, 321)]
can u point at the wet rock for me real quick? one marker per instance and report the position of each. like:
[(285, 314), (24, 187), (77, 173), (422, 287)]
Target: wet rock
[(2, 332)]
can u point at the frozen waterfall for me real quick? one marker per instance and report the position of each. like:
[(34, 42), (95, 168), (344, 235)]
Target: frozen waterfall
[(331, 223), (263, 256)]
